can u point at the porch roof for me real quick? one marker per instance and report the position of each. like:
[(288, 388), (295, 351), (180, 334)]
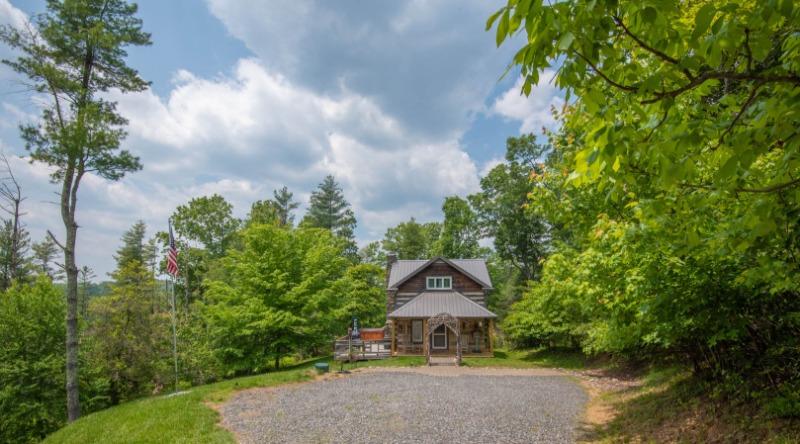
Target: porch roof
[(431, 303)]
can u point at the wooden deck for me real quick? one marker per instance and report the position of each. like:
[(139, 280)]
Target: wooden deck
[(361, 350)]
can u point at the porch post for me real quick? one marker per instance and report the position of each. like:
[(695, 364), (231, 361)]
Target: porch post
[(491, 336), (394, 337), (425, 339)]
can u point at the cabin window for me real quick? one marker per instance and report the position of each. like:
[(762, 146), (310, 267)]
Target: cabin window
[(416, 331), (440, 337), (439, 283)]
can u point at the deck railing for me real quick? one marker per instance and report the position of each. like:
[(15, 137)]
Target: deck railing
[(361, 350)]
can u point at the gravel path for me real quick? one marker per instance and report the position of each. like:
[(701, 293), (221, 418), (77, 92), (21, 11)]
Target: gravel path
[(479, 406)]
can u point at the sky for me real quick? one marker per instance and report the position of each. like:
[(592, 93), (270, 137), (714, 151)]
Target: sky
[(403, 102)]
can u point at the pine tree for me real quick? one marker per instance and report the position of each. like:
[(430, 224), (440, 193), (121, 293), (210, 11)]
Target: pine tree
[(329, 209), (75, 54), (284, 205), (133, 246), (14, 261)]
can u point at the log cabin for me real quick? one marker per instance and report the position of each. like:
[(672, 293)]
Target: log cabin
[(437, 307)]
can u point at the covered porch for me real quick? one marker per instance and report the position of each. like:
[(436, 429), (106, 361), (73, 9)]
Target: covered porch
[(411, 337), (442, 323)]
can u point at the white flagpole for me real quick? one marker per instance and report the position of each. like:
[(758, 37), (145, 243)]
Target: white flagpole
[(174, 333)]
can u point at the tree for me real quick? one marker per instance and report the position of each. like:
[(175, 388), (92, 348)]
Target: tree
[(276, 297), (31, 362), (44, 254), (412, 240), (207, 220), (86, 276), (673, 188), (133, 247), (14, 238), (284, 205), (328, 209), (263, 212), (460, 230), (74, 56), (520, 235), (372, 253), (129, 341)]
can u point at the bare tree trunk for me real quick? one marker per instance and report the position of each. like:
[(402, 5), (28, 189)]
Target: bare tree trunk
[(73, 402), (69, 200)]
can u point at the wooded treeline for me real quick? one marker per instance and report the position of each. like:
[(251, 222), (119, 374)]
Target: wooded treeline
[(671, 191)]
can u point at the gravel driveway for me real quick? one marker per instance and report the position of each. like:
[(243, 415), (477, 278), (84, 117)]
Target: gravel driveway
[(472, 405)]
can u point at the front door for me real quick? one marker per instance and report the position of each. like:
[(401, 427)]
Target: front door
[(439, 338)]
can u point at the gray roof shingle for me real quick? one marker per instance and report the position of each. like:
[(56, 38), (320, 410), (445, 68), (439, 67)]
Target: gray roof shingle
[(431, 303), (474, 267)]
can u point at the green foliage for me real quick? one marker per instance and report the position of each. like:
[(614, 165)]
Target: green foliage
[(44, 257), (15, 265), (284, 206), (285, 291), (412, 240), (128, 338), (31, 361), (328, 209), (460, 230), (520, 235), (673, 187), (133, 248), (72, 56), (207, 220)]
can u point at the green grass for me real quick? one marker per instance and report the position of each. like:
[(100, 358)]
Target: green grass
[(177, 419), (530, 359)]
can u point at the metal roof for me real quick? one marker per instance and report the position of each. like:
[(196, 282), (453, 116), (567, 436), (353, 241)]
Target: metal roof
[(475, 268), (431, 303)]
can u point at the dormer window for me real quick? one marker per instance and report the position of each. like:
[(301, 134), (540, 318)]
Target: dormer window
[(439, 283)]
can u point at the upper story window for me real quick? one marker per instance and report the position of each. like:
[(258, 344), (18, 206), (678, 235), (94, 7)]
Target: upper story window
[(439, 283)]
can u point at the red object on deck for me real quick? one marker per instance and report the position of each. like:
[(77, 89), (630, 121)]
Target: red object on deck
[(372, 334)]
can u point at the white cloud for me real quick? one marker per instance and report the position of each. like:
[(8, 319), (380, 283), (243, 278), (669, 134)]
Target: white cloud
[(534, 111), (430, 65), (376, 94)]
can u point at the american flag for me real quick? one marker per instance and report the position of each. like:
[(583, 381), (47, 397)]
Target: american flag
[(172, 254)]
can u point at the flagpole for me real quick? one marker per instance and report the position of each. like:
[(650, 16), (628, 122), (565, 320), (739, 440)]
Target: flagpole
[(174, 332)]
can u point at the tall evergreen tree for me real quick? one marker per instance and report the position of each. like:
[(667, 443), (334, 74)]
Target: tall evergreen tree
[(75, 55), (329, 209), (133, 246), (285, 205)]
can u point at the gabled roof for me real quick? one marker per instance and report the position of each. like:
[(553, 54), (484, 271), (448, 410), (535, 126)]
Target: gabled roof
[(431, 303), (403, 270)]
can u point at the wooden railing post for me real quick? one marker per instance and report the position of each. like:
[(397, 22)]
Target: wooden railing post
[(491, 336), (394, 337)]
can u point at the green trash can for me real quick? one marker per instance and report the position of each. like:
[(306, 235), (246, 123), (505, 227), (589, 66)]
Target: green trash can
[(322, 367)]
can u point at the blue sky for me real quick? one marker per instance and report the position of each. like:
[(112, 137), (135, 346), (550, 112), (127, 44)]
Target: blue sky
[(401, 101)]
